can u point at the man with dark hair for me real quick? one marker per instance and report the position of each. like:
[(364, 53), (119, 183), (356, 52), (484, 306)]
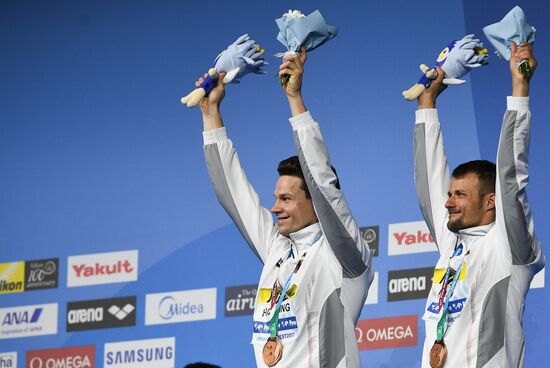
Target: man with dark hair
[(481, 222), (317, 267)]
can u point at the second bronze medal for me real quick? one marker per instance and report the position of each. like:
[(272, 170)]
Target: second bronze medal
[(438, 354), (272, 351)]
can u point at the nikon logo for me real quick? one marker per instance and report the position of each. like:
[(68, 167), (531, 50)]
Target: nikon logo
[(409, 284)]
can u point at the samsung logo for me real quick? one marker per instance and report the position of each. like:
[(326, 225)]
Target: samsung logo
[(151, 353)]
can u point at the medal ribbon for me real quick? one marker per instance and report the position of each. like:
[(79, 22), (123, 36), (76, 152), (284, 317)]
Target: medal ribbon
[(441, 325), (274, 322)]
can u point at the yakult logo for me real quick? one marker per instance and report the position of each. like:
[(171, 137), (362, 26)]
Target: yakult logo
[(382, 333), (410, 237), (73, 357), (102, 268)]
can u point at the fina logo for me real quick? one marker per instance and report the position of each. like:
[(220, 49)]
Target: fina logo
[(169, 307)]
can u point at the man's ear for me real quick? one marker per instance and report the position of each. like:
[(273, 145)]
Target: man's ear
[(490, 201)]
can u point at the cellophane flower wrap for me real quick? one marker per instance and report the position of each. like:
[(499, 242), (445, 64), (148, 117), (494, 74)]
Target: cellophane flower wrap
[(297, 30)]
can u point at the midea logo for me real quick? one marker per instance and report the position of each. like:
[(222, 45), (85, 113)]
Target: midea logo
[(169, 307)]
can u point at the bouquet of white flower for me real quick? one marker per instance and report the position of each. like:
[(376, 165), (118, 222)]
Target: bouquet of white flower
[(297, 30)]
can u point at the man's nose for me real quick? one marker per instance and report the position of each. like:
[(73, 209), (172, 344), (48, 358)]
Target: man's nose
[(276, 208), (450, 203)]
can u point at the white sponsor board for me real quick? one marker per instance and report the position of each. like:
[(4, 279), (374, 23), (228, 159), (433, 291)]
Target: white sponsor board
[(372, 298), (28, 320), (538, 280), (409, 237), (102, 268), (150, 353), (8, 360), (180, 306)]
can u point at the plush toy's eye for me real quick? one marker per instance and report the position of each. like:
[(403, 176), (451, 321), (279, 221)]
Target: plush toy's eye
[(443, 54)]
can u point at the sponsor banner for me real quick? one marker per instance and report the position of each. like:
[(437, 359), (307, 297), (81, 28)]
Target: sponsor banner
[(383, 333), (180, 306), (41, 274), (409, 284), (29, 320), (8, 360), (538, 280), (240, 300), (152, 353), (372, 298), (102, 268), (12, 277), (101, 313), (72, 357), (371, 234), (409, 237)]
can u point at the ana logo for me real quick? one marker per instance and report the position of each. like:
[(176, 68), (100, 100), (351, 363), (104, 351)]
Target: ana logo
[(181, 306), (382, 333), (73, 357), (153, 353), (8, 360), (41, 274), (22, 317), (12, 277), (30, 320), (102, 268), (371, 236), (410, 237), (101, 313), (409, 284), (240, 300)]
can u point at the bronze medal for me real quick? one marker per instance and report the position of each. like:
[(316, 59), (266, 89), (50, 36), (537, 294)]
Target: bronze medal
[(273, 351), (438, 354)]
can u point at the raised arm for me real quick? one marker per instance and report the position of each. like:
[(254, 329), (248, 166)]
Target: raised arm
[(233, 190), (431, 170), (338, 225), (512, 162)]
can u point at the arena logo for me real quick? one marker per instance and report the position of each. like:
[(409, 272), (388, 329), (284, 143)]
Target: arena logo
[(240, 300), (410, 237), (409, 284), (12, 277), (101, 313), (8, 360), (30, 320), (152, 353), (41, 274), (180, 306), (371, 234), (72, 357), (102, 268), (383, 333)]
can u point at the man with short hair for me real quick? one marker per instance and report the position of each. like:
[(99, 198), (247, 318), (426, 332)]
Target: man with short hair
[(317, 267), (481, 222)]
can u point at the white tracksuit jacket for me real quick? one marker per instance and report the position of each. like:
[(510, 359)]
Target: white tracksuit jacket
[(318, 318), (501, 259)]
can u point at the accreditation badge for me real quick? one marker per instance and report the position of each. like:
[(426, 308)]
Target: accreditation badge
[(287, 326), (457, 301)]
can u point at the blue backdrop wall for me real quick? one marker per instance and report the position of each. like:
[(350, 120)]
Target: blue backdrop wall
[(97, 155)]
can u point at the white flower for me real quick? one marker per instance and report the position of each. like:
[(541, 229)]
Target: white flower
[(294, 14)]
